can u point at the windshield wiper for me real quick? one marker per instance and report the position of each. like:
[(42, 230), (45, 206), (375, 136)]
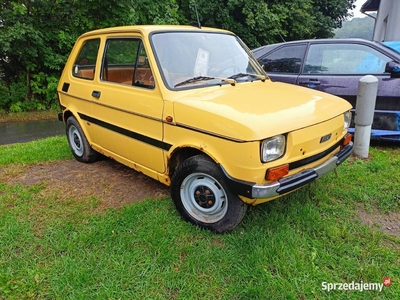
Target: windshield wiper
[(230, 80), (194, 79), (240, 75)]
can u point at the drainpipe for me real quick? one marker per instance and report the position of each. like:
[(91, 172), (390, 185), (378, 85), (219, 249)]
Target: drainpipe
[(371, 16), (365, 106)]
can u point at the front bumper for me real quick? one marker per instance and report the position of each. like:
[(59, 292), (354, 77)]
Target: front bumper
[(289, 183)]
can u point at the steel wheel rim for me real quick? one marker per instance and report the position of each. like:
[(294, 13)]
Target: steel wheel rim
[(204, 198), (75, 140)]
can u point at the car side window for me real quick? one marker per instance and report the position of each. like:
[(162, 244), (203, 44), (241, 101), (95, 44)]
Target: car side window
[(287, 59), (85, 63), (125, 62), (344, 59)]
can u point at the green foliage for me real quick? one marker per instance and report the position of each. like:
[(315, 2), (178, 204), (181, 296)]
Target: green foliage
[(157, 12), (37, 36), (18, 90), (4, 96), (44, 87), (263, 22)]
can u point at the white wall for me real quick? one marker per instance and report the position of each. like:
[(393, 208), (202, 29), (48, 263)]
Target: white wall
[(387, 25)]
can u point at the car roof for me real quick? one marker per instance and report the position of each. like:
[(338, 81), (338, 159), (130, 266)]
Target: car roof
[(260, 51), (147, 29), (348, 40)]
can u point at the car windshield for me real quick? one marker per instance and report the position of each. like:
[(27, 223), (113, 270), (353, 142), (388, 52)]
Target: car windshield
[(198, 59)]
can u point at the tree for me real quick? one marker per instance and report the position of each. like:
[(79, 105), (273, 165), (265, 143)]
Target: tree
[(156, 12), (37, 35), (262, 22)]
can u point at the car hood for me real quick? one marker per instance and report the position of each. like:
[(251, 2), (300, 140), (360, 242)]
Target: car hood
[(254, 110)]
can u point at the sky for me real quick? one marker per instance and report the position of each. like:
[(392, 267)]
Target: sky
[(356, 11)]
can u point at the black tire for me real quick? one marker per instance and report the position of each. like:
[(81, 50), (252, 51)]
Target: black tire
[(78, 143), (202, 197)]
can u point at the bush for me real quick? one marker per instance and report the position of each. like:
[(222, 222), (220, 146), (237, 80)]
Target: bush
[(41, 94), (4, 96), (45, 90)]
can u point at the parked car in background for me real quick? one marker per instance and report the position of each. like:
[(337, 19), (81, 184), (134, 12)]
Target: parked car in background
[(187, 106), (395, 45), (336, 66)]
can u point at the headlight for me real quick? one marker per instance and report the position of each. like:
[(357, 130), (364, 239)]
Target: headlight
[(347, 120), (273, 148)]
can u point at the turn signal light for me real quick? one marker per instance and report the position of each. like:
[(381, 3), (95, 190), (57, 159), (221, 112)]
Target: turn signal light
[(347, 139), (277, 172)]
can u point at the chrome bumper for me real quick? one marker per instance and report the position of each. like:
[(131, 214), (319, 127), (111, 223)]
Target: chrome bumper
[(290, 183)]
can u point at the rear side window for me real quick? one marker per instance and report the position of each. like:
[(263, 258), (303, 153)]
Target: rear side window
[(85, 63), (287, 59), (125, 62), (344, 59)]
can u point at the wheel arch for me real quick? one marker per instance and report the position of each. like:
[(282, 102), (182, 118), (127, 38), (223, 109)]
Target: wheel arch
[(202, 196), (68, 113), (78, 141), (180, 154)]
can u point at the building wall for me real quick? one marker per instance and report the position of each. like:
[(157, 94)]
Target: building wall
[(387, 25)]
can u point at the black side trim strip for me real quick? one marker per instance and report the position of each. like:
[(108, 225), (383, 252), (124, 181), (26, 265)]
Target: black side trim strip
[(311, 159), (128, 133)]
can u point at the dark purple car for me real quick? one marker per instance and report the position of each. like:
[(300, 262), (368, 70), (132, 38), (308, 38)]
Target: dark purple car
[(335, 66)]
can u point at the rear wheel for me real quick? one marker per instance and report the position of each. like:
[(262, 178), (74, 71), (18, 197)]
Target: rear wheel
[(202, 197), (78, 143)]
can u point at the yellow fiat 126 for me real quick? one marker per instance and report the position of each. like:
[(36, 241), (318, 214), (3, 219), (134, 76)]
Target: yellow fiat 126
[(192, 108)]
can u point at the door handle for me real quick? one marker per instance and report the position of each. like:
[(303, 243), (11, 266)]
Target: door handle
[(312, 82), (96, 94)]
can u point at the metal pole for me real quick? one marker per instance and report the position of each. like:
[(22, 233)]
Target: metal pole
[(365, 106)]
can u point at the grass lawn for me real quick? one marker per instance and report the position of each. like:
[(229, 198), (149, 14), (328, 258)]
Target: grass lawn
[(28, 115), (285, 249)]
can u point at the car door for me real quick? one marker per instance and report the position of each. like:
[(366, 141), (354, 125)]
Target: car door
[(78, 85), (284, 63), (128, 106), (336, 68)]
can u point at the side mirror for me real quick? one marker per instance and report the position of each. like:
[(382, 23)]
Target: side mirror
[(393, 68)]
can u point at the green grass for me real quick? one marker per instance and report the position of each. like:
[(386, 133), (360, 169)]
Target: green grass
[(28, 115), (285, 249), (42, 150)]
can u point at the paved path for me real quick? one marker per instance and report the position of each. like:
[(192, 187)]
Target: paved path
[(21, 132)]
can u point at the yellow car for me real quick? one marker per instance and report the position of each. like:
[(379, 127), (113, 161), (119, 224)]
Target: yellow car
[(192, 108)]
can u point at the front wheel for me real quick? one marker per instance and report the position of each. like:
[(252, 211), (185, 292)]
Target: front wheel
[(202, 197), (78, 143)]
